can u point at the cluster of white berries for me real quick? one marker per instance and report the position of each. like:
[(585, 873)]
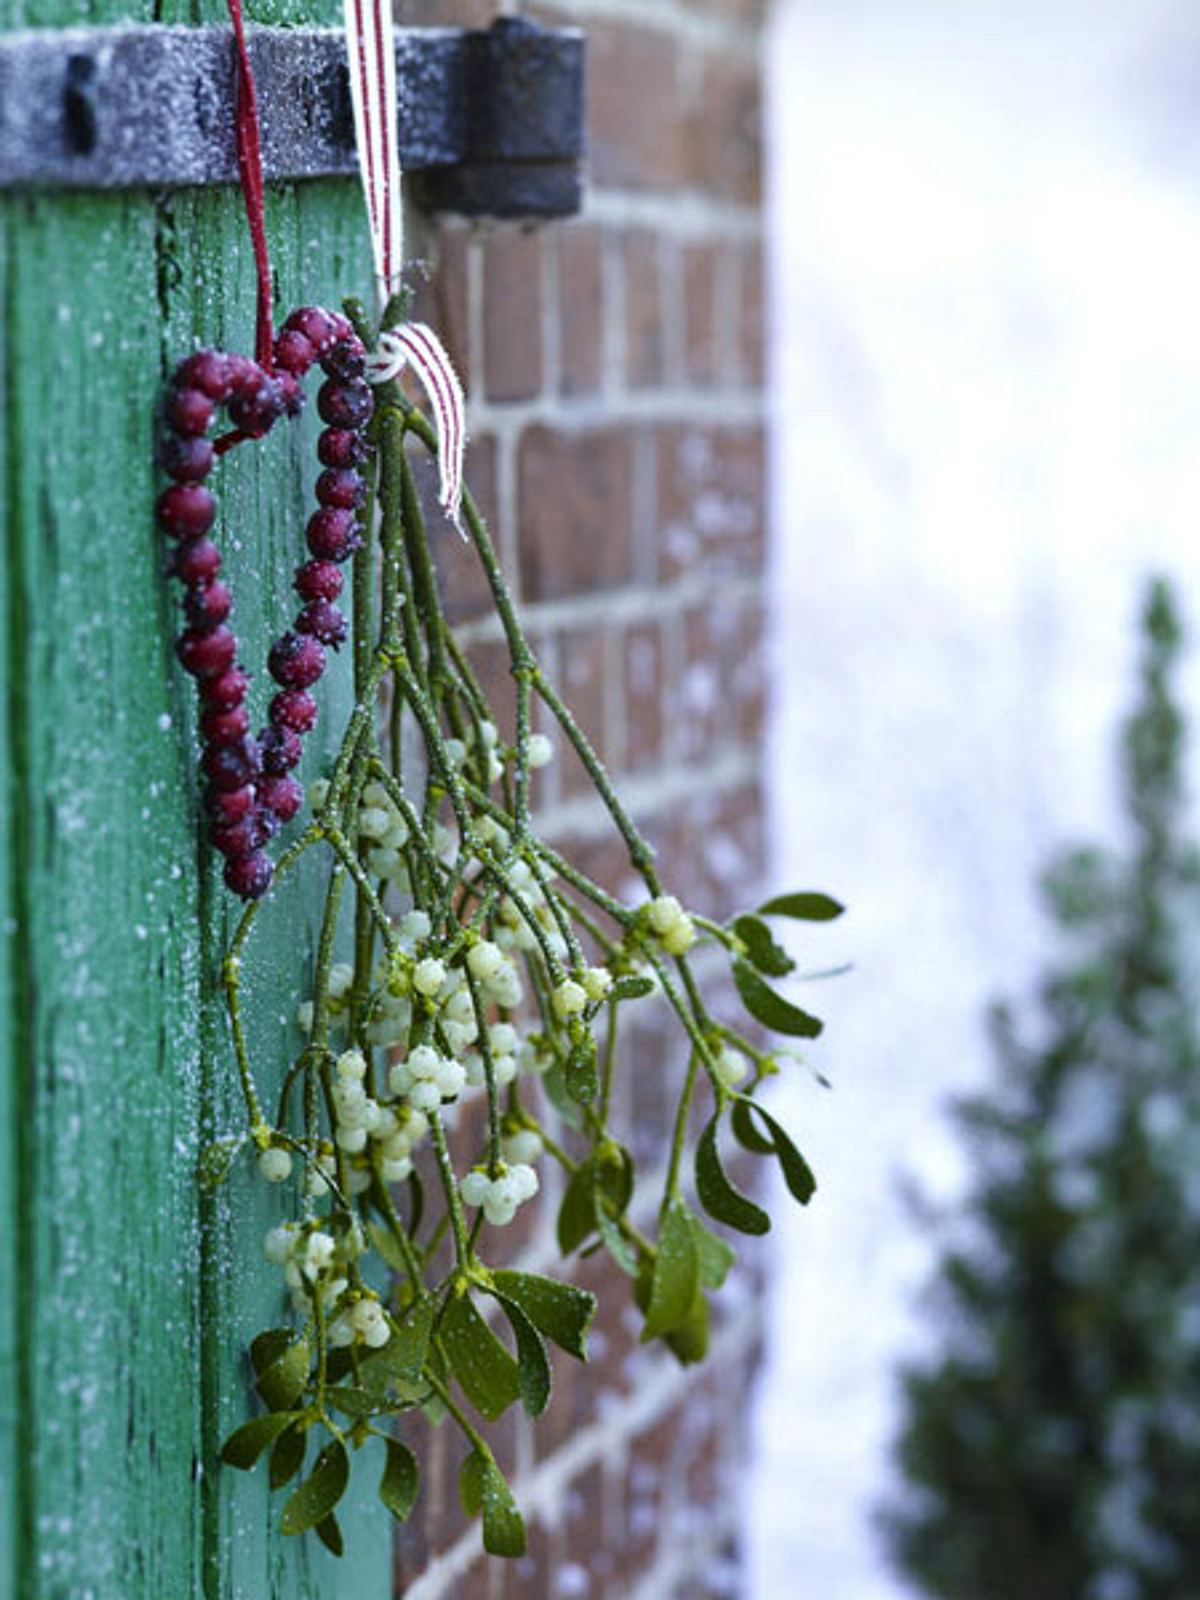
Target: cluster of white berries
[(573, 995), (361, 1323), (311, 1262), (671, 925), (500, 1196)]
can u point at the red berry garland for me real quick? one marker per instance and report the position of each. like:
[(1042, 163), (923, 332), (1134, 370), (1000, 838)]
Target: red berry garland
[(250, 788)]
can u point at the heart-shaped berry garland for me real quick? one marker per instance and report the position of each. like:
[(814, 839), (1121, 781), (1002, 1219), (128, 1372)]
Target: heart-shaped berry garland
[(250, 790)]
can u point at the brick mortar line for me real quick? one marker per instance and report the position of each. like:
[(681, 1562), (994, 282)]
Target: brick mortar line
[(542, 1492), (694, 27), (618, 608), (682, 1562), (738, 407), (681, 213), (648, 795)]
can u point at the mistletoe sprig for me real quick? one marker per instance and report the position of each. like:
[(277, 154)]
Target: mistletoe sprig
[(479, 961)]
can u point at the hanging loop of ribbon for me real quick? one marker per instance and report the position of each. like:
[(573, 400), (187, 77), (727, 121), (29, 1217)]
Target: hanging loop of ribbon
[(371, 48), (250, 175)]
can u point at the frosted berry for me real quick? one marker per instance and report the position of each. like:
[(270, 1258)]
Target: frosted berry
[(333, 534), (343, 328), (209, 371), (291, 393), (207, 655), (230, 805), (280, 750), (345, 405), (293, 352), (295, 709), (232, 766), (196, 561), (248, 876), (341, 488), (323, 621), (319, 580), (317, 326), (239, 838), (347, 359), (227, 691), (296, 660), (207, 604), (225, 727), (342, 447), (187, 460), (256, 410), (186, 510), (189, 411), (282, 794)]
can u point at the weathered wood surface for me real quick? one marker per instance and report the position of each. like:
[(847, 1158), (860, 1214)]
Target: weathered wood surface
[(125, 1301)]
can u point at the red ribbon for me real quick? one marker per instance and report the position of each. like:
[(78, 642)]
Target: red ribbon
[(249, 159)]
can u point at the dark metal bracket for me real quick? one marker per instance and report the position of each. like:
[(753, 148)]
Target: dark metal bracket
[(491, 120)]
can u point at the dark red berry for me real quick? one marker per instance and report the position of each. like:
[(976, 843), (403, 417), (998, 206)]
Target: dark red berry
[(207, 605), (196, 561), (347, 359), (343, 328), (248, 876), (189, 411), (292, 393), (340, 488), (225, 727), (281, 794), (324, 621), (333, 534), (255, 410), (293, 352), (230, 805), (317, 326), (227, 691), (296, 660), (186, 510), (240, 838), (232, 766), (209, 371), (187, 460), (281, 750), (345, 405), (245, 375), (295, 709), (207, 655), (319, 580), (342, 447)]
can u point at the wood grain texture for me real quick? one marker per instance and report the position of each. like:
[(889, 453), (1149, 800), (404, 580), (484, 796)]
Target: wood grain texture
[(125, 1301)]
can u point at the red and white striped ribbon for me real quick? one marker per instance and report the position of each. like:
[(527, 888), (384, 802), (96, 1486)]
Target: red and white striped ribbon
[(371, 45), (370, 42), (415, 345)]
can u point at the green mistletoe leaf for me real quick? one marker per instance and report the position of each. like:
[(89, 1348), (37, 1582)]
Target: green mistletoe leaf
[(714, 1256), (329, 1531), (288, 1456), (761, 948), (561, 1311), (676, 1273), (489, 1376), (634, 986), (744, 1131), (316, 1497), (577, 1213), (401, 1480), (805, 907), (282, 1382), (718, 1195), (797, 1173), (771, 1009), (482, 1489), (245, 1444), (533, 1364)]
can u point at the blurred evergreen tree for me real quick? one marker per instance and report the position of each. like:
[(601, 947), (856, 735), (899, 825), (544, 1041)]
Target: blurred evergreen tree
[(1051, 1450)]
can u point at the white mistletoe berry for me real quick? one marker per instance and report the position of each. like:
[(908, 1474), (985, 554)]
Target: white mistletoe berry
[(275, 1165), (570, 998), (428, 976), (541, 750)]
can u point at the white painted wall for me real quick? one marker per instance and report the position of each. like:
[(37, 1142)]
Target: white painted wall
[(987, 306)]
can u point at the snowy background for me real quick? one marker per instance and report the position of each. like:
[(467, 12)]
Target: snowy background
[(986, 235)]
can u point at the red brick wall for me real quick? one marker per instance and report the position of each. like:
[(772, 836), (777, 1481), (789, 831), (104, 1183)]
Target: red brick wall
[(614, 371)]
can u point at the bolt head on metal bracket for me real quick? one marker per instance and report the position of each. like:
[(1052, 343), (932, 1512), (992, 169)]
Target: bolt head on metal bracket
[(491, 120)]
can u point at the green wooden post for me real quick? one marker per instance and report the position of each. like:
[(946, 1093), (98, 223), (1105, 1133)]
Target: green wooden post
[(126, 1300)]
